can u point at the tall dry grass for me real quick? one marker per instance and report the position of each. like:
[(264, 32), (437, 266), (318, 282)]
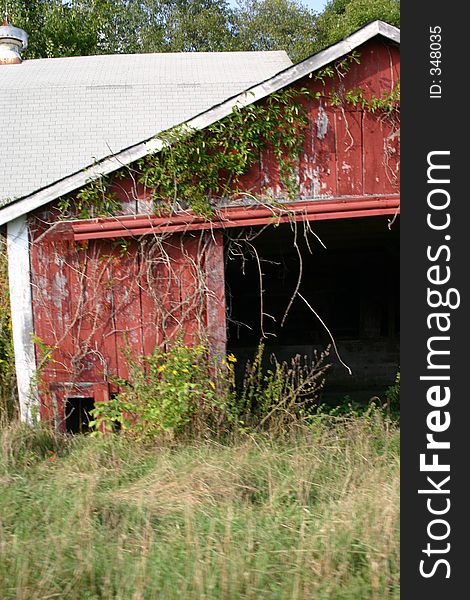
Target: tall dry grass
[(312, 514)]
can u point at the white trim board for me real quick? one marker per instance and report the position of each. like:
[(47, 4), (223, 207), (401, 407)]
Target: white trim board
[(22, 316), (257, 92)]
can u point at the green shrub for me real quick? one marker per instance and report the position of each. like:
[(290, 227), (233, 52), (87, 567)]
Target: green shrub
[(182, 390), (166, 392)]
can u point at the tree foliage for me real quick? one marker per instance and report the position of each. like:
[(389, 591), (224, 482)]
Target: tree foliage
[(342, 17), (275, 25), (59, 29), (84, 27)]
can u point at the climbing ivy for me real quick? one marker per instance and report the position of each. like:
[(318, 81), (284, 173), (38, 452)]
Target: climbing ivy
[(339, 68), (388, 103), (196, 169), (93, 200), (205, 166)]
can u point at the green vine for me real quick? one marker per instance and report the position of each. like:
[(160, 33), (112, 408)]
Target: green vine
[(340, 68), (205, 166), (196, 169), (388, 103), (93, 200)]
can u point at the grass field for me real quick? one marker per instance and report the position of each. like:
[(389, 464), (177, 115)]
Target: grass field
[(313, 515)]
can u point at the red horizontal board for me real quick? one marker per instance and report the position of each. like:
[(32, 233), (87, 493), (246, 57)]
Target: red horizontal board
[(237, 217)]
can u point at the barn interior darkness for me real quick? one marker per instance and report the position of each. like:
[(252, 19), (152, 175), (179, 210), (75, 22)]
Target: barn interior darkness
[(353, 285), (77, 414)]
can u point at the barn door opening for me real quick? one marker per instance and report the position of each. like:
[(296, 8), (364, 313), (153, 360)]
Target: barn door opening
[(77, 414), (353, 285)]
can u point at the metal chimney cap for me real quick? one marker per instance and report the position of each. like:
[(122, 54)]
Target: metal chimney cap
[(10, 33)]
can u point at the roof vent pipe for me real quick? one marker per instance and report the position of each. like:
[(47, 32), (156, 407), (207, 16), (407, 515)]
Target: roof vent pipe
[(12, 42)]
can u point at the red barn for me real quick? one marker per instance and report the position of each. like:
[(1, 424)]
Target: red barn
[(291, 264)]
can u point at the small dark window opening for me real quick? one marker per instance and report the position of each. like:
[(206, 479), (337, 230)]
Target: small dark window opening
[(77, 414)]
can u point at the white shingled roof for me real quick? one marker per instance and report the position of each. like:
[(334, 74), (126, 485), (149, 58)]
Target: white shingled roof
[(60, 115)]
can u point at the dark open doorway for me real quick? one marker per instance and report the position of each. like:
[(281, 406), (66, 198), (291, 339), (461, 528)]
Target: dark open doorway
[(353, 285)]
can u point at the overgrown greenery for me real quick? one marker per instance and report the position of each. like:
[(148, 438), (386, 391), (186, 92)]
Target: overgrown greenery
[(183, 390), (204, 166), (275, 394), (388, 104), (166, 392), (198, 169), (93, 200), (309, 514)]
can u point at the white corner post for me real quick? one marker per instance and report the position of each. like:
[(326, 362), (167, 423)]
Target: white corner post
[(19, 275)]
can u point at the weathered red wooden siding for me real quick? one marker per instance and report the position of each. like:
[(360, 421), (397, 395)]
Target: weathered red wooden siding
[(97, 304), (93, 301), (347, 151)]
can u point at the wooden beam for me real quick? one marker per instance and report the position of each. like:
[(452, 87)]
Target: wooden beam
[(346, 207), (22, 317), (215, 280)]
